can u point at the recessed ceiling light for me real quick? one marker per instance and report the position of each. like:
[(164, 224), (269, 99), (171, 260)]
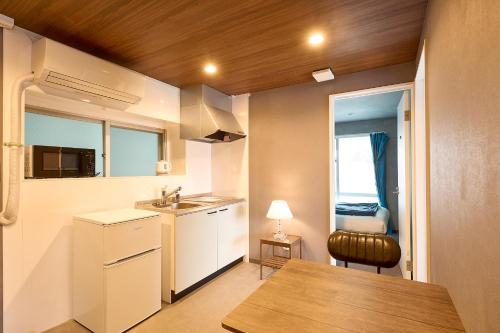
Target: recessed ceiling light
[(316, 39), (86, 100), (323, 75), (210, 69)]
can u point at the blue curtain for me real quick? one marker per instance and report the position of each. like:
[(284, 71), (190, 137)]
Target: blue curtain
[(378, 141)]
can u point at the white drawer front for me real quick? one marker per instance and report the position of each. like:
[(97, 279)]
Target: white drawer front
[(126, 239)]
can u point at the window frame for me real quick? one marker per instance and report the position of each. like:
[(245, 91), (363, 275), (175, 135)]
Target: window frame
[(106, 132), (337, 163)]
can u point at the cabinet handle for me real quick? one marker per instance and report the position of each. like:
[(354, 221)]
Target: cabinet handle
[(223, 210), (214, 212)]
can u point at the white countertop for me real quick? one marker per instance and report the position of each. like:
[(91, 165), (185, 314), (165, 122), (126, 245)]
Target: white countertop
[(116, 216)]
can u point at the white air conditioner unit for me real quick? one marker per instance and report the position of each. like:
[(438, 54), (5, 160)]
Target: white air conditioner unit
[(63, 71)]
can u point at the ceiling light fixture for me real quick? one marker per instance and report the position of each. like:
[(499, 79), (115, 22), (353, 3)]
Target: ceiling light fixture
[(210, 69), (316, 39), (86, 100), (323, 75)]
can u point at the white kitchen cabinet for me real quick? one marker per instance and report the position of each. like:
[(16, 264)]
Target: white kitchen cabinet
[(199, 244), (231, 234), (195, 248)]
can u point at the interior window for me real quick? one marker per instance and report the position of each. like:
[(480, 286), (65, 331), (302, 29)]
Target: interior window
[(134, 152), (45, 130), (355, 174)]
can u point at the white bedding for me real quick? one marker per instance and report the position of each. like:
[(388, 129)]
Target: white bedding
[(370, 224)]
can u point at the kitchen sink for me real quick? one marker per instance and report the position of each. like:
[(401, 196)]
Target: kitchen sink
[(184, 205), (176, 205)]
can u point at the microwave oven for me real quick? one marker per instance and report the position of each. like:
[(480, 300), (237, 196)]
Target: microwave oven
[(58, 162)]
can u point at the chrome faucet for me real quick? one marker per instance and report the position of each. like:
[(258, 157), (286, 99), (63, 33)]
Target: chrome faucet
[(165, 194)]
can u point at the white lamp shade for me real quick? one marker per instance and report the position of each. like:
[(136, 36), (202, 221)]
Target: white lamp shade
[(279, 210)]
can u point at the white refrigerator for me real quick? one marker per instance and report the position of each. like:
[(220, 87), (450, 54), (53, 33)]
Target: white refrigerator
[(116, 268)]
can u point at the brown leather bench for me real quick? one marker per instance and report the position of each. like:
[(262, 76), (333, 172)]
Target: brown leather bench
[(368, 249)]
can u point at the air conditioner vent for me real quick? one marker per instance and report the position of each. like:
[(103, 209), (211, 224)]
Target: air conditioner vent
[(64, 71), (86, 87)]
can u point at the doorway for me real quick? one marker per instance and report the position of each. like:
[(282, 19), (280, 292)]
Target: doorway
[(359, 122)]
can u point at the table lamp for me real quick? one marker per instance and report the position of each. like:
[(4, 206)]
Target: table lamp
[(279, 210)]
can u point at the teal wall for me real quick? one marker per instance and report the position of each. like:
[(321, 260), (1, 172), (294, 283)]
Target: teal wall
[(133, 153), (63, 132)]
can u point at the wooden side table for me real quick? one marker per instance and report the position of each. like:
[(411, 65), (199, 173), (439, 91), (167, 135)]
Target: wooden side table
[(276, 261)]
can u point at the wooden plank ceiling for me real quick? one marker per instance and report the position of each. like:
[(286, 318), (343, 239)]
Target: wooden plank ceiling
[(256, 44)]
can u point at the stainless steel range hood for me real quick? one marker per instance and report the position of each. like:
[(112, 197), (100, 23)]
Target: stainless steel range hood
[(206, 116)]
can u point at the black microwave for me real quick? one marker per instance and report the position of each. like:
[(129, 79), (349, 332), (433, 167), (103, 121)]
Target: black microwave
[(58, 162)]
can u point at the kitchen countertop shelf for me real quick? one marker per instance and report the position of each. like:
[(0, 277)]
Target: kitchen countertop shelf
[(223, 201)]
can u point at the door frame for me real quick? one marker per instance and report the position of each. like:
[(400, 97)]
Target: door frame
[(421, 172), (332, 152), (404, 128), (1, 180)]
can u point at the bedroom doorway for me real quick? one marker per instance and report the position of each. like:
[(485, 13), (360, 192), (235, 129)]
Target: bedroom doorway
[(373, 197)]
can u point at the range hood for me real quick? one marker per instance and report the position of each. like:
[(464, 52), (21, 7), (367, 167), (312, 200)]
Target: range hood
[(206, 116)]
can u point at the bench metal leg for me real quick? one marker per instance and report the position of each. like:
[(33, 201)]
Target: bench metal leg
[(378, 270), (345, 264), (260, 256)]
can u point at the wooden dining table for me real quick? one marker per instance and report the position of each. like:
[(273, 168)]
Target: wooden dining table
[(306, 297)]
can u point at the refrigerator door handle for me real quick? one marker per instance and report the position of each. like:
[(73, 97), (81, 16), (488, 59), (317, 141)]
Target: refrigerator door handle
[(134, 257)]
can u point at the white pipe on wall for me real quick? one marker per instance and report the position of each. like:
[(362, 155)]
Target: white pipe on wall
[(6, 22), (9, 215)]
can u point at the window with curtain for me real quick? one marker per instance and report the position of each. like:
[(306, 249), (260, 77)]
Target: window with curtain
[(355, 173), (54, 130), (134, 152)]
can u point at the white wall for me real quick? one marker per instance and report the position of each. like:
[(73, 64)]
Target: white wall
[(160, 100), (37, 249), (230, 160)]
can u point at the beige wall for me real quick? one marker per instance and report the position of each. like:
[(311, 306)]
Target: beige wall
[(463, 100), (289, 158)]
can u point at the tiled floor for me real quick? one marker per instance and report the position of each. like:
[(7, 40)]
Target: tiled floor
[(203, 310)]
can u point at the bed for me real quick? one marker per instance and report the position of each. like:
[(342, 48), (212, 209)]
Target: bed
[(370, 224)]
